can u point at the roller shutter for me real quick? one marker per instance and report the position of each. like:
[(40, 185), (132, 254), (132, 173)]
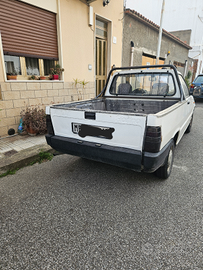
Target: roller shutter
[(27, 30)]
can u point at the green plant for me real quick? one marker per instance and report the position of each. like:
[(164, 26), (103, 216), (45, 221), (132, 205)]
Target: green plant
[(76, 81), (56, 70), (45, 156), (83, 83), (12, 73), (9, 172), (187, 78), (34, 118), (33, 162), (33, 77), (189, 74), (187, 81)]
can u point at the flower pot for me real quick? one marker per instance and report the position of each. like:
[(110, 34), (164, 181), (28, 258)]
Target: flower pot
[(43, 78), (31, 131), (11, 77), (55, 77)]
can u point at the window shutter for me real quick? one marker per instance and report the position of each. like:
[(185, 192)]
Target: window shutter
[(27, 30)]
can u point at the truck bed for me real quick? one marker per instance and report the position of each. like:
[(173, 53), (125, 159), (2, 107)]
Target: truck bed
[(126, 105)]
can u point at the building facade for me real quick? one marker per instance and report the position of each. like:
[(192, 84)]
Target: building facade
[(178, 15), (143, 33), (83, 37)]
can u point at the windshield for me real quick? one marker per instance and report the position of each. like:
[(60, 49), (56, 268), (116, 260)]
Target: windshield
[(199, 79), (139, 84)]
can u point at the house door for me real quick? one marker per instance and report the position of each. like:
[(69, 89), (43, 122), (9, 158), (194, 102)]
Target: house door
[(101, 55), (147, 60)]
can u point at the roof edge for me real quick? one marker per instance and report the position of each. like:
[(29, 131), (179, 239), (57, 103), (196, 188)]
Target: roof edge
[(151, 24)]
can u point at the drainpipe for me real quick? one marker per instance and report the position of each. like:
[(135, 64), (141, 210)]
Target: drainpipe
[(185, 69), (200, 67), (160, 34), (59, 35), (131, 53), (2, 58)]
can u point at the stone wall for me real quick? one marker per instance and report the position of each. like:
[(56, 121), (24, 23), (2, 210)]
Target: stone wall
[(145, 40), (15, 96)]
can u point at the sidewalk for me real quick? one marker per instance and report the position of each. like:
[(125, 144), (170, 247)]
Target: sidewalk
[(17, 151)]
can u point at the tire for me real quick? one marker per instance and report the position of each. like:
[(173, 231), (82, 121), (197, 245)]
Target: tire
[(165, 170), (189, 126)]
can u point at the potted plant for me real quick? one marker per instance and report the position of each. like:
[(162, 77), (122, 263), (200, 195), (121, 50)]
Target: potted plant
[(12, 76), (42, 78), (34, 120), (56, 72), (33, 77)]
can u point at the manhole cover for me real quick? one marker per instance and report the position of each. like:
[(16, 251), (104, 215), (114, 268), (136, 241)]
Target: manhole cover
[(10, 153)]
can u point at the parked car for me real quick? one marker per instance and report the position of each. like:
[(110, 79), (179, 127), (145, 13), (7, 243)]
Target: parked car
[(135, 123), (196, 88)]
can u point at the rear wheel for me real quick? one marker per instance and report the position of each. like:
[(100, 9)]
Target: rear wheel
[(190, 126), (165, 170)]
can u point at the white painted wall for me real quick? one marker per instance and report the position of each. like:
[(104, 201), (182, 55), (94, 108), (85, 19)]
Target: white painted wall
[(178, 15), (50, 5)]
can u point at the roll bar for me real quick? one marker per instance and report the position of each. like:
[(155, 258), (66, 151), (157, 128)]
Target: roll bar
[(141, 67)]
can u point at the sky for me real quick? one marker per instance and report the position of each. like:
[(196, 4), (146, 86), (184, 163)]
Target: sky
[(151, 9), (178, 14)]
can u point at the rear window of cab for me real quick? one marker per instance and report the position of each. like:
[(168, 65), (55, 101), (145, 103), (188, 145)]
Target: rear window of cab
[(139, 84)]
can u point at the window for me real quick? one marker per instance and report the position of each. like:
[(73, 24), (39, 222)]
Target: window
[(32, 66), (139, 84), (28, 44), (199, 79), (12, 64), (101, 29), (47, 65), (28, 66), (184, 86)]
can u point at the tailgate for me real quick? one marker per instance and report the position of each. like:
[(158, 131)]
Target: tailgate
[(113, 129)]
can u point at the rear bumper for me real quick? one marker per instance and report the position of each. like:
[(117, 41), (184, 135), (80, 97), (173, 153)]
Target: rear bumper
[(118, 156), (152, 161), (197, 92)]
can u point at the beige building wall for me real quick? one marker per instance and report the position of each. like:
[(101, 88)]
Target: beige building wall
[(78, 38), (50, 5), (76, 52)]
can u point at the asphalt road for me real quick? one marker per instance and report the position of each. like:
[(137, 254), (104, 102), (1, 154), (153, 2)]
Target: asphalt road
[(71, 213)]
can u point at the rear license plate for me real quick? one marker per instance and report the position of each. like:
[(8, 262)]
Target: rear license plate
[(95, 131)]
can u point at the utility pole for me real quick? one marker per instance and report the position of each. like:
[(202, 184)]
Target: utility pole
[(160, 33)]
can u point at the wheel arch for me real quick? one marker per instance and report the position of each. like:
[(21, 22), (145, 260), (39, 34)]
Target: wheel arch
[(175, 138)]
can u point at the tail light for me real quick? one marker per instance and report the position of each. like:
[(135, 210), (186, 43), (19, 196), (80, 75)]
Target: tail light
[(152, 139), (50, 129), (192, 86)]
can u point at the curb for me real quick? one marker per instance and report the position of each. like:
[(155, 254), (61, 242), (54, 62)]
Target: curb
[(23, 158)]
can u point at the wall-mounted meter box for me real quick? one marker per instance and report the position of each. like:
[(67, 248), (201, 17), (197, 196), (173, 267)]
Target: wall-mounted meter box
[(90, 16)]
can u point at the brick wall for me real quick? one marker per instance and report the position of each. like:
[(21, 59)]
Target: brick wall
[(17, 95)]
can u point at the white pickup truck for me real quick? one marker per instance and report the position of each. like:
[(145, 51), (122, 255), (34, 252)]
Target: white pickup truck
[(135, 123)]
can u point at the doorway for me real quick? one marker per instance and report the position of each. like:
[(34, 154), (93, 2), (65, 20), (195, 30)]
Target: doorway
[(151, 60), (101, 55)]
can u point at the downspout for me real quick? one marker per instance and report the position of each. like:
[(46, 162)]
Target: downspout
[(131, 53), (59, 33), (2, 59), (185, 69), (160, 33)]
